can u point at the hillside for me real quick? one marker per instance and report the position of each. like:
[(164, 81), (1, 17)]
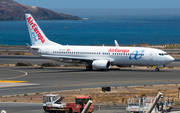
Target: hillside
[(11, 10)]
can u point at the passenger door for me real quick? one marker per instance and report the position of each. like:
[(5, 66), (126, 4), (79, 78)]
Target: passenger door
[(151, 55)]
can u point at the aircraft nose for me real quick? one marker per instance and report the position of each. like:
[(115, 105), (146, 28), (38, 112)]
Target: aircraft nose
[(169, 58)]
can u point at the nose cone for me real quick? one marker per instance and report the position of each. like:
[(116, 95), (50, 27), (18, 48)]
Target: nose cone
[(169, 58)]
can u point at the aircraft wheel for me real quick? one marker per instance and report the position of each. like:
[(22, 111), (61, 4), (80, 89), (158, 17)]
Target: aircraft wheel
[(157, 69), (89, 68)]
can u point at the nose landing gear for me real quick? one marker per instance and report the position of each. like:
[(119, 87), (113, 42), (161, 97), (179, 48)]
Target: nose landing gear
[(157, 69)]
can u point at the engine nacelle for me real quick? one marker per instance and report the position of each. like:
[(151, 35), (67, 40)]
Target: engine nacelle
[(101, 64)]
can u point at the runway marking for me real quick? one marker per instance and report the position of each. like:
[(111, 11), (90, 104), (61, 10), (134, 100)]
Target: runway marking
[(16, 76), (12, 81)]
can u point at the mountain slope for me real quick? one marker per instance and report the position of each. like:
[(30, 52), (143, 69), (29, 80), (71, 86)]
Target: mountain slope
[(11, 10)]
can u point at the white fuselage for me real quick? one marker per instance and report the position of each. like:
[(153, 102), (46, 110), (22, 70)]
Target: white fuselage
[(118, 55)]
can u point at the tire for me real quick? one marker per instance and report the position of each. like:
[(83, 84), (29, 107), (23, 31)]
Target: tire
[(90, 68), (45, 109), (156, 69), (70, 110), (87, 68)]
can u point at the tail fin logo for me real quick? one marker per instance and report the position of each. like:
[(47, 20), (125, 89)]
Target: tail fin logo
[(36, 31)]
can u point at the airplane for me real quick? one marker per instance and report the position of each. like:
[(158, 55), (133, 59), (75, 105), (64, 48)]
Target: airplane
[(94, 57)]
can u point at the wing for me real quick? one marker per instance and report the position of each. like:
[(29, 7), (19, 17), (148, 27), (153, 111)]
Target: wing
[(69, 58)]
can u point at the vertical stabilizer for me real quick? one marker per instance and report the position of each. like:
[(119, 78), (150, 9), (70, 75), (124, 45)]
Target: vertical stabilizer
[(38, 38)]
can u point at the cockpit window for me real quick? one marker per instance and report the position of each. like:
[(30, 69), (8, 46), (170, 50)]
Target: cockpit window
[(162, 54)]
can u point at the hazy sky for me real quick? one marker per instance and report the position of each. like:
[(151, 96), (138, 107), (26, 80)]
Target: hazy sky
[(102, 3)]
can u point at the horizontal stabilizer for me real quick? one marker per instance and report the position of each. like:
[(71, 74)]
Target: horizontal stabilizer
[(30, 49)]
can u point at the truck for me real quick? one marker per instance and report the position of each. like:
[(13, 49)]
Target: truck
[(53, 103)]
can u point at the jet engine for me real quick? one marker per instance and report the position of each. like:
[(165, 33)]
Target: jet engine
[(101, 64)]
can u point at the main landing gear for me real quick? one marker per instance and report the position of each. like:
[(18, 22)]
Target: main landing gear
[(89, 68), (157, 69)]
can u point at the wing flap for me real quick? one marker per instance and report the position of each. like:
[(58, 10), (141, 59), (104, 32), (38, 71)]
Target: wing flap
[(68, 57)]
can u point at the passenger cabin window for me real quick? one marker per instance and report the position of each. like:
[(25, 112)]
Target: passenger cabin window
[(162, 54)]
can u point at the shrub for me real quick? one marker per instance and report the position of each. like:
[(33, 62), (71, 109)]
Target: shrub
[(49, 65), (25, 94), (23, 64)]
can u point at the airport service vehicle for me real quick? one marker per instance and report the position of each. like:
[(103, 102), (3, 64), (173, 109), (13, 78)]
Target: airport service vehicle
[(97, 57), (70, 107), (52, 100), (142, 105)]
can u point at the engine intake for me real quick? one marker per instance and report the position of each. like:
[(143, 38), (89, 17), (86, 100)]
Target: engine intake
[(101, 64)]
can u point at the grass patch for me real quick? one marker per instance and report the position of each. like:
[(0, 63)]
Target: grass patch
[(177, 103), (170, 66), (25, 94)]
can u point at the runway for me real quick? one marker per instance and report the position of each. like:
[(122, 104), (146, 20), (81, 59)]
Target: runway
[(14, 59), (21, 80), (58, 79), (37, 108)]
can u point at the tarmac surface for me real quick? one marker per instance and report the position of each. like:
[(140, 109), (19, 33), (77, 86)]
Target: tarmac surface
[(35, 79), (21, 80), (37, 108)]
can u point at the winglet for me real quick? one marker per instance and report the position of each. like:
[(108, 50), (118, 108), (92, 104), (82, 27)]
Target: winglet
[(116, 43)]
